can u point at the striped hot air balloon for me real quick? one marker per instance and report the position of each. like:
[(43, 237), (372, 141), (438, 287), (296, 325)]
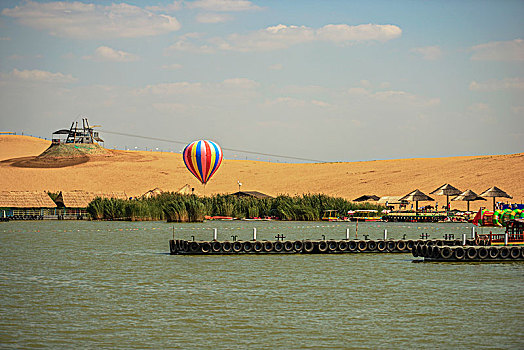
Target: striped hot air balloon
[(202, 158)]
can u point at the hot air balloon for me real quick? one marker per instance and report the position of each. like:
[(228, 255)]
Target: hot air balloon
[(202, 159)]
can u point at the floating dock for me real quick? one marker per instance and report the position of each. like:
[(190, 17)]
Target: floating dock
[(468, 253), (304, 246)]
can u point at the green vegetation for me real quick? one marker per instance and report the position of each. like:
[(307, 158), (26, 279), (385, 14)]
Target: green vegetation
[(190, 208)]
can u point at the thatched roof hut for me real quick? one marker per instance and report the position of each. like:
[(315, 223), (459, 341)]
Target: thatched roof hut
[(25, 199), (254, 194), (81, 199), (366, 197)]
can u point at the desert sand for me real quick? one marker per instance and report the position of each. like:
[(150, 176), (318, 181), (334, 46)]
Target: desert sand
[(136, 172)]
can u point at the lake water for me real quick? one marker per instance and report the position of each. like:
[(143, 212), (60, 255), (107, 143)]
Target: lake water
[(114, 285)]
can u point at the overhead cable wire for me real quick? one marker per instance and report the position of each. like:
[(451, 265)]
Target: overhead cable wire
[(227, 149)]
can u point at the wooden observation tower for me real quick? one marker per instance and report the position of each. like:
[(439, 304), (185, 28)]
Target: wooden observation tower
[(75, 134)]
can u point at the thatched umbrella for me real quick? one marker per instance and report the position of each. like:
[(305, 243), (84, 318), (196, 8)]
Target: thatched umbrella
[(468, 196), (446, 190), (494, 192), (416, 196)]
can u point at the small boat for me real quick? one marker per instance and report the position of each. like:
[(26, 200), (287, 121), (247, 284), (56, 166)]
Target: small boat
[(514, 233)]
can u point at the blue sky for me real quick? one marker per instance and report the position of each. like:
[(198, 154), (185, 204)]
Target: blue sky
[(326, 80)]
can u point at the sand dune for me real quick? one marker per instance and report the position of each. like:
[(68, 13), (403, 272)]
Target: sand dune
[(136, 172)]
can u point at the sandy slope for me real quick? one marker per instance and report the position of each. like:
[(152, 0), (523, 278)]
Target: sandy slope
[(136, 172)]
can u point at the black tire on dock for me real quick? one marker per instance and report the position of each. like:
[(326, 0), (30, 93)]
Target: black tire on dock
[(459, 253), (172, 247), (297, 246), (410, 244), (268, 246), (352, 246), (494, 252), (322, 246), (237, 247), (278, 247), (185, 246), (372, 246), (205, 247), (514, 252), (440, 243), (194, 247), (216, 247), (414, 251), (435, 254), (362, 246), (391, 246), (470, 242), (424, 250), (226, 247), (258, 246), (457, 242), (471, 253), (247, 246), (482, 253), (381, 246), (446, 253), (332, 246), (308, 246), (401, 245), (504, 253), (420, 242), (288, 246), (522, 252), (342, 246)]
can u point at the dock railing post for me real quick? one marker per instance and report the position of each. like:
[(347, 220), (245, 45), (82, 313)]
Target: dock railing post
[(347, 234), (506, 238), (215, 234), (385, 234), (254, 233), (473, 232), (463, 239)]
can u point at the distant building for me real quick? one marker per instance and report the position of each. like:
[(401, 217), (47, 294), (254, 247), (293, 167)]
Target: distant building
[(26, 205), (253, 194), (84, 135)]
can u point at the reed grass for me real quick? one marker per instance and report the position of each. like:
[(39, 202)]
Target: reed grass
[(175, 207)]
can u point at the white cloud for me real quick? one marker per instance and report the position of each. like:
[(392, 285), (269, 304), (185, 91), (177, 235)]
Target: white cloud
[(172, 7), (403, 97), (36, 75), (92, 21), (170, 107), (517, 109), (212, 18), (180, 88), (320, 103), (172, 66), (282, 36), (495, 85), (276, 66), (479, 107), (430, 53), (223, 5), (184, 45), (504, 51), (107, 54), (397, 97), (345, 33)]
